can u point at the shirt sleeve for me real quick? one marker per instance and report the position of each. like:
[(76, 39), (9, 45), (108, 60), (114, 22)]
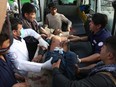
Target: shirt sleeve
[(66, 20), (30, 32), (29, 66), (20, 63)]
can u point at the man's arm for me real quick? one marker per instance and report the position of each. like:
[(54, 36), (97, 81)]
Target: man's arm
[(31, 32), (66, 20), (46, 21), (28, 66), (77, 38), (85, 69), (90, 59)]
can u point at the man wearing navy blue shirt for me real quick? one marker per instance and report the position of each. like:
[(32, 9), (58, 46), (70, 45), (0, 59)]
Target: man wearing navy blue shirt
[(7, 79), (97, 37), (7, 76)]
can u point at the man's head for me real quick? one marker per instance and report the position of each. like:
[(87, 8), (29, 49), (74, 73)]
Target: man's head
[(98, 21), (52, 7), (108, 51), (5, 38), (5, 32), (16, 26), (29, 11)]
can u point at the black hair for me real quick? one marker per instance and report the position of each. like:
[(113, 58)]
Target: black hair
[(99, 18), (28, 8), (4, 35), (52, 5), (14, 23), (110, 43)]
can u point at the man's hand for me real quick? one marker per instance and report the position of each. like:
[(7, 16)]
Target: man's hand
[(57, 64), (43, 43), (47, 65), (77, 69), (69, 29)]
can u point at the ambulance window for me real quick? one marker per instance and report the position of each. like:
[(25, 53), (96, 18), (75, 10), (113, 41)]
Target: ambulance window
[(105, 6), (93, 5), (67, 2)]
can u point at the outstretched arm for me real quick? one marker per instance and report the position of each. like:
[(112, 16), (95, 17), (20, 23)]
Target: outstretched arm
[(77, 38), (92, 58), (31, 32)]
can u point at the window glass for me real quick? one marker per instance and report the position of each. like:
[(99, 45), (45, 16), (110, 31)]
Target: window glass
[(93, 5), (105, 6), (85, 2), (14, 8), (24, 1), (36, 4), (68, 2)]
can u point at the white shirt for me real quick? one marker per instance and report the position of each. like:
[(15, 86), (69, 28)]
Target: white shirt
[(19, 54)]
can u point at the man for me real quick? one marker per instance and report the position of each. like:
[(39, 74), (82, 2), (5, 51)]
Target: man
[(103, 75), (97, 37), (18, 50), (6, 72), (55, 19), (28, 21), (7, 77), (61, 50)]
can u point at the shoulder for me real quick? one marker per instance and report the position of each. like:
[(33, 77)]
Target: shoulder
[(71, 55), (103, 35), (48, 15), (61, 15), (97, 80), (108, 77)]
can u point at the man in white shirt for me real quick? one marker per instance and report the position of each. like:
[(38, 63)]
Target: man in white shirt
[(18, 50)]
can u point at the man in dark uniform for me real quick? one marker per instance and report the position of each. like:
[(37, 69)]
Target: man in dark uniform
[(97, 37)]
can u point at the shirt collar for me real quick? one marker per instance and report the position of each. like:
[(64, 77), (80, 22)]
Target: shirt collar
[(99, 32)]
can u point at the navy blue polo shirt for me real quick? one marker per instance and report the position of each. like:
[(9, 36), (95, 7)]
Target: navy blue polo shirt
[(97, 39), (7, 78)]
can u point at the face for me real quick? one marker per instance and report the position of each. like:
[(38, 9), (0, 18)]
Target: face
[(92, 26), (17, 33), (6, 43), (5, 46), (104, 53), (31, 17), (53, 11)]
